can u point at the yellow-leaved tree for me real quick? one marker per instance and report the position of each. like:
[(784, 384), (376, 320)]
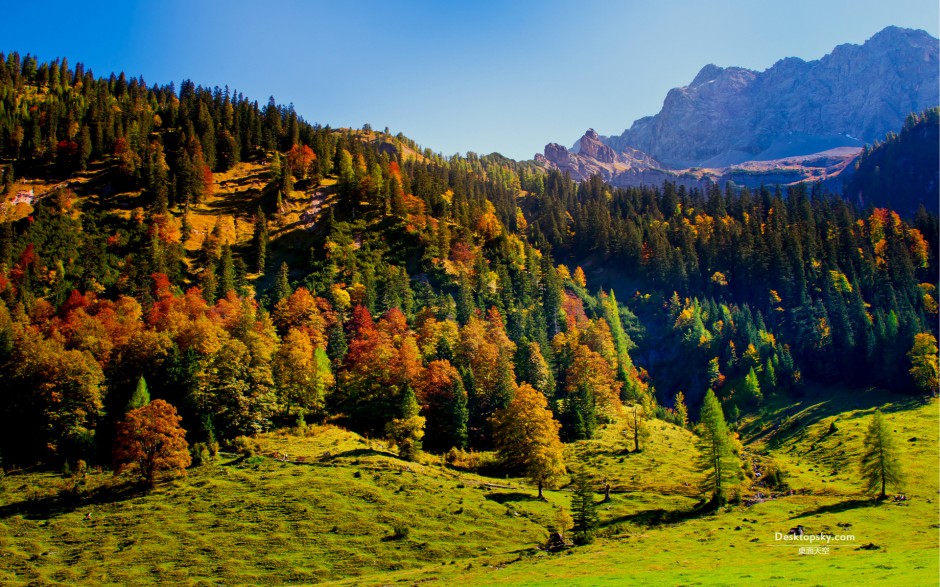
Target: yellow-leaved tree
[(526, 437)]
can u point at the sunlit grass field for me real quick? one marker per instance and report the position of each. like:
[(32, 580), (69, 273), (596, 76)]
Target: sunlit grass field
[(326, 505)]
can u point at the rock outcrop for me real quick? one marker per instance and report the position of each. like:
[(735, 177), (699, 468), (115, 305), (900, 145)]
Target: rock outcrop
[(852, 96)]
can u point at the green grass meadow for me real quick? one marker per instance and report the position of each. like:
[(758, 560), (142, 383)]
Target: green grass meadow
[(327, 506)]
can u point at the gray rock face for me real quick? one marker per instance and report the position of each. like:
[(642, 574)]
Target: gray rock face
[(854, 95), (632, 168)]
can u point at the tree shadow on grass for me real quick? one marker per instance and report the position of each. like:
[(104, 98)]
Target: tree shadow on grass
[(66, 502), (506, 496), (355, 453), (658, 516), (842, 506)]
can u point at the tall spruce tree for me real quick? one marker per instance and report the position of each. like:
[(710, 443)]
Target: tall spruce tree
[(583, 507), (141, 396)]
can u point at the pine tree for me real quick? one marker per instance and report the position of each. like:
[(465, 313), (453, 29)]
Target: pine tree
[(752, 387), (716, 455), (282, 287), (141, 396), (226, 271), (880, 465), (260, 240), (583, 507), (459, 415)]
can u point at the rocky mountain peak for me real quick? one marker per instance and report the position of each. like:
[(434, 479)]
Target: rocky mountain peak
[(855, 94)]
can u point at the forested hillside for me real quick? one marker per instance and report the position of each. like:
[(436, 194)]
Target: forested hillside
[(903, 171), (254, 271)]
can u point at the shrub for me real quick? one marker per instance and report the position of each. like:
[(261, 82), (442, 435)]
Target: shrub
[(243, 445), (400, 531), (775, 476), (200, 454)]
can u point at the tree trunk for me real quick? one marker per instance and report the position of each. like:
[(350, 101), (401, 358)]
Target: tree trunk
[(540, 489)]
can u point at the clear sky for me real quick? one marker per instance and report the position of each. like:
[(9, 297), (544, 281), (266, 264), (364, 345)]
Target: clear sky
[(507, 76)]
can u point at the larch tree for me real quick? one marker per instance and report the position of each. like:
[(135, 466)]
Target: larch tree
[(526, 437), (717, 460), (636, 429), (150, 440), (682, 412), (880, 466)]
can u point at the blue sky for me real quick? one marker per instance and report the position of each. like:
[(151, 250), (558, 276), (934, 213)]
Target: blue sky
[(475, 76)]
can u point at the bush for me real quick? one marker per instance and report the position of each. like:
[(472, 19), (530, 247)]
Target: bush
[(775, 476), (468, 460), (400, 531), (583, 538), (201, 454), (243, 446)]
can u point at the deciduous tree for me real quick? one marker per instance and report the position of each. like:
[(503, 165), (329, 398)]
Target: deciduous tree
[(150, 440), (526, 437)]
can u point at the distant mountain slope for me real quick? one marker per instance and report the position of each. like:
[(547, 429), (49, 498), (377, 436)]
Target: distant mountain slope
[(632, 168), (902, 172), (854, 95)]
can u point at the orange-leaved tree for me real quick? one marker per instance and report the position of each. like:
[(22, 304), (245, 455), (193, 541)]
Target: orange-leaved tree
[(150, 439), (526, 437)]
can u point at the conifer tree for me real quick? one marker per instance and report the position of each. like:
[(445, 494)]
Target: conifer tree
[(260, 239), (583, 507), (682, 412), (752, 387), (880, 465), (282, 283), (716, 459), (226, 271), (141, 396)]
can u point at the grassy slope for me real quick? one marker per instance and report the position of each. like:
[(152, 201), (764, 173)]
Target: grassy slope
[(260, 520), (328, 515), (737, 546)]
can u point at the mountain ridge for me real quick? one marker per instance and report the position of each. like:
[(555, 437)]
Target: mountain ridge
[(860, 92)]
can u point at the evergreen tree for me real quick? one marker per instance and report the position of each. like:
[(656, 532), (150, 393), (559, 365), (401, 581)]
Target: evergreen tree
[(716, 455), (752, 387), (282, 287), (141, 396), (226, 271), (583, 507), (459, 415), (260, 241), (880, 463)]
